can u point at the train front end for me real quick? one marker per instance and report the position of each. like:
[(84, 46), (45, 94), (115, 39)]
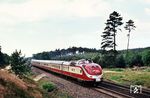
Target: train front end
[(93, 71)]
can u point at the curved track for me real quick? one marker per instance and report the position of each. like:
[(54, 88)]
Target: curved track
[(117, 90), (113, 90)]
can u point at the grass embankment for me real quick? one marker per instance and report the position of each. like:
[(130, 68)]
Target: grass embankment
[(134, 76), (12, 86), (54, 92)]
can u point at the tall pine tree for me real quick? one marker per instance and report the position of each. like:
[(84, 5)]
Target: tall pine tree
[(129, 26), (109, 34)]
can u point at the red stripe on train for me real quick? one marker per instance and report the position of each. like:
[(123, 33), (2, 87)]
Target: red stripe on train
[(78, 76)]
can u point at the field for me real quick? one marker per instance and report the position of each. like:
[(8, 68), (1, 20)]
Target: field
[(128, 76)]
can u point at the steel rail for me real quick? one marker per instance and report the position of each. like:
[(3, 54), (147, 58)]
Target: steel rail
[(122, 90)]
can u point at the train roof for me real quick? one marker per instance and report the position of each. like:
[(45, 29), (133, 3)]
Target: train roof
[(75, 63), (50, 61)]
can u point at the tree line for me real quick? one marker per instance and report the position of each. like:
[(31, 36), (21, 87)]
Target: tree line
[(4, 59), (60, 53), (136, 57)]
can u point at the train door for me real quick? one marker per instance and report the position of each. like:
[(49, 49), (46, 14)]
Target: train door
[(61, 67)]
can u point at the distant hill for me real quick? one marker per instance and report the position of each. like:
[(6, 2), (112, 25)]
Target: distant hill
[(138, 49), (70, 53), (63, 52)]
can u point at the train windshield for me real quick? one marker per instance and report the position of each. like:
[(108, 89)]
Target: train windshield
[(83, 61), (93, 70)]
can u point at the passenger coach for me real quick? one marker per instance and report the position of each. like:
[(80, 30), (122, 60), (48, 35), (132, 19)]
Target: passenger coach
[(83, 70)]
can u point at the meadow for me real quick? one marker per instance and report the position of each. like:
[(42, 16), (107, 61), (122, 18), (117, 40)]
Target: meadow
[(128, 76)]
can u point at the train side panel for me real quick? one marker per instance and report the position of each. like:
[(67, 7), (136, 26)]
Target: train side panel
[(73, 71)]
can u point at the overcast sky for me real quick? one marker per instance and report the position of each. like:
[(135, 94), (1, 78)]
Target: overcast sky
[(43, 25)]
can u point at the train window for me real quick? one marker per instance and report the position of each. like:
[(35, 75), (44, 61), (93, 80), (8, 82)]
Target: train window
[(73, 69), (80, 71), (72, 63), (93, 67)]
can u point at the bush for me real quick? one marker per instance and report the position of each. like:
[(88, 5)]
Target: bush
[(18, 64), (139, 82), (136, 61), (117, 69), (129, 57), (4, 59), (49, 87), (108, 60), (120, 62), (146, 58), (96, 59)]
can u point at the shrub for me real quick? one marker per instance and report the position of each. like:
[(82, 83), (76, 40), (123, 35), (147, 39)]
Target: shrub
[(146, 58), (136, 61), (108, 60), (18, 64), (96, 59), (120, 62), (139, 82), (4, 59), (49, 87), (117, 69)]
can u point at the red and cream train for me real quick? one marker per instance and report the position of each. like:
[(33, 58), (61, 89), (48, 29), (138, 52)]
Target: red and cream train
[(84, 70)]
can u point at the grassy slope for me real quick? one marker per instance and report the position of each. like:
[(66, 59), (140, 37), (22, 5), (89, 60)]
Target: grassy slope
[(13, 87), (137, 76)]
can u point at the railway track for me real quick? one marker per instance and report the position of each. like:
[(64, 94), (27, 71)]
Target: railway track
[(70, 86), (120, 91), (113, 90)]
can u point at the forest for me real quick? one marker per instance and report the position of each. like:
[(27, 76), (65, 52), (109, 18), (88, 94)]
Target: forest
[(136, 57)]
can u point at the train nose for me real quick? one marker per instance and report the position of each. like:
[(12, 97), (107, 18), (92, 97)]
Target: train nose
[(93, 70), (96, 71)]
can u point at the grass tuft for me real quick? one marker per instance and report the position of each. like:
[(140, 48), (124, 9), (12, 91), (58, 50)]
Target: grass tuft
[(117, 69), (49, 87)]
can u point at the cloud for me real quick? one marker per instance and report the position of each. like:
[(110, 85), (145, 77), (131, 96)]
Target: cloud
[(147, 11), (142, 26), (146, 1), (87, 8), (36, 10)]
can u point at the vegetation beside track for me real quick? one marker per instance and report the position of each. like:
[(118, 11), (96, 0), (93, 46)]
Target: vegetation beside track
[(129, 76), (12, 86), (52, 89)]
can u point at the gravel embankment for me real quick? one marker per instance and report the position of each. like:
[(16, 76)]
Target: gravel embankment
[(75, 90)]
